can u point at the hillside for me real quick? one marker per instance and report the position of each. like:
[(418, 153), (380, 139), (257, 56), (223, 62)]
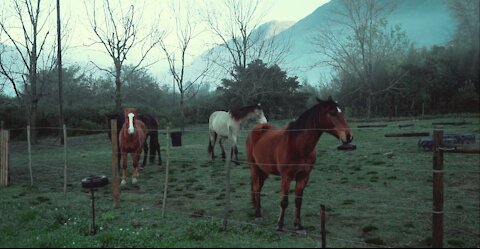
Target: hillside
[(425, 22)]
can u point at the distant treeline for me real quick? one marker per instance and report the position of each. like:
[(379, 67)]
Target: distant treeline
[(440, 80)]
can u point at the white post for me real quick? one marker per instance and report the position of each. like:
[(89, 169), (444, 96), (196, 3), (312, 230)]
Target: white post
[(165, 188)]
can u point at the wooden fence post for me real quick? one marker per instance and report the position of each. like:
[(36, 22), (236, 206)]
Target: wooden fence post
[(228, 160), (165, 187), (437, 212), (4, 158), (323, 231), (65, 159), (114, 136), (29, 144)]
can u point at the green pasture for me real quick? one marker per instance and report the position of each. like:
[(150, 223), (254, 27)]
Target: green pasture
[(379, 195)]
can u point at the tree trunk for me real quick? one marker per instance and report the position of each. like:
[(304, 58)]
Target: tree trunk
[(369, 105), (61, 119), (182, 111), (118, 87)]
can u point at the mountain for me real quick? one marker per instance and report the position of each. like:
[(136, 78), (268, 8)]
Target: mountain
[(425, 22)]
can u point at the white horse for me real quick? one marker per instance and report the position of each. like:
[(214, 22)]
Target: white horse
[(229, 124)]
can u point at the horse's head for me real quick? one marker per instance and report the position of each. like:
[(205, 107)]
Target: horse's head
[(252, 112), (130, 113), (334, 120), (260, 116)]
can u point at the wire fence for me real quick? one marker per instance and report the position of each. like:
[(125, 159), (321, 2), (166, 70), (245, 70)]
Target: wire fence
[(82, 149)]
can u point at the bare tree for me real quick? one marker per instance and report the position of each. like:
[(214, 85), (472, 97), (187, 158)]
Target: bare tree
[(27, 31), (236, 23), (117, 29), (359, 44), (185, 31)]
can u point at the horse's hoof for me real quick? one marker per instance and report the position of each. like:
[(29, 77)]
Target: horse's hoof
[(134, 180), (123, 183), (236, 162), (280, 230)]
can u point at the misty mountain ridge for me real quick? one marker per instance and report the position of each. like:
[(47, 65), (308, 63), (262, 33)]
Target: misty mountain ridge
[(425, 22)]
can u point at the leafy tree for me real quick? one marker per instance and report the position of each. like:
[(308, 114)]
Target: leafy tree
[(268, 85)]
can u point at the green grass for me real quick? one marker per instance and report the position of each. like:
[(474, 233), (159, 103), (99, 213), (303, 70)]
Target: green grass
[(378, 195)]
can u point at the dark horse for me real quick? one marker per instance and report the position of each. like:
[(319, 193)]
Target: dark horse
[(291, 154), (152, 127)]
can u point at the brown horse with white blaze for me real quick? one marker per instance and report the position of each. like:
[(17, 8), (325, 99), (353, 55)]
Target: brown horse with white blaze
[(132, 139), (291, 153)]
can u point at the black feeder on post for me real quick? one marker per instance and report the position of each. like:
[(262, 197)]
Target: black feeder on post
[(176, 137), (93, 183)]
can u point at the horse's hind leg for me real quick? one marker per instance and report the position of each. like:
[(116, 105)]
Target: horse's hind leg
[(145, 151), (211, 144), (220, 141), (258, 179)]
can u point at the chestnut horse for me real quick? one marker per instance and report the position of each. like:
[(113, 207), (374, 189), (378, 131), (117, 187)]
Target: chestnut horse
[(152, 126), (291, 153), (132, 139), (229, 124)]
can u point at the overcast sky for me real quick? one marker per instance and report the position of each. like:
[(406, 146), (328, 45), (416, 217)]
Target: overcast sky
[(74, 16)]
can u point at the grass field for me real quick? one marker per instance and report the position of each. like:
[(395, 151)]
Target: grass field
[(377, 196)]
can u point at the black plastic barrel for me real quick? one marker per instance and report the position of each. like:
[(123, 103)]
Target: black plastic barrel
[(176, 138)]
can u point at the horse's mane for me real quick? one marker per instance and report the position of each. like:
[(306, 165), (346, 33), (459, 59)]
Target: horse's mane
[(308, 119), (242, 112)]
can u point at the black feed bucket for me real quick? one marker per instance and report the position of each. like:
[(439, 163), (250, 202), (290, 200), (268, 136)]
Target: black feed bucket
[(176, 138), (92, 183)]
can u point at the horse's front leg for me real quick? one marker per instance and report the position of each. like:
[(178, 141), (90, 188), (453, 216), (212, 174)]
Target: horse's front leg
[(124, 172), (285, 186), (234, 150), (136, 158), (300, 186)]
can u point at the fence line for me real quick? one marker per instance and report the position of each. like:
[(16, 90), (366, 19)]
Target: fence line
[(436, 212)]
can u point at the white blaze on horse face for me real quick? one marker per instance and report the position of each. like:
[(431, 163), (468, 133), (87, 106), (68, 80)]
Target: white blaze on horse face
[(261, 118), (339, 110), (131, 129)]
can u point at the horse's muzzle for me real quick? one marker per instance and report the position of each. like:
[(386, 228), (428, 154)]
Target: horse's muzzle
[(348, 139)]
